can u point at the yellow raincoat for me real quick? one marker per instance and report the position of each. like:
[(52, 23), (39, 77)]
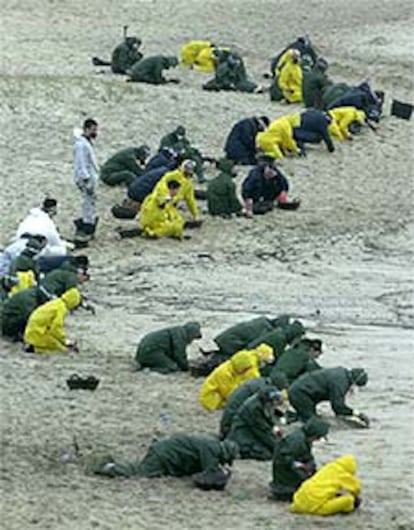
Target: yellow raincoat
[(44, 329), (229, 375), (276, 138), (160, 217), (342, 119), (185, 192), (290, 78), (198, 53), (26, 280), (329, 491)]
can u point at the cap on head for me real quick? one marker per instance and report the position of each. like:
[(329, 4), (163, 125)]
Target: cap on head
[(315, 428), (359, 376), (270, 395), (321, 64), (143, 152), (81, 261), (193, 330), (172, 61)]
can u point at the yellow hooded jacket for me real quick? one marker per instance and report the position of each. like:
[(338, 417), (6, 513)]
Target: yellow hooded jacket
[(319, 494), (26, 280), (185, 192), (342, 119), (198, 53), (160, 217), (45, 327), (290, 78), (229, 375), (278, 136)]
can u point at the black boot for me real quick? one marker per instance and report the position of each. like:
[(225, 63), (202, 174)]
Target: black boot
[(78, 223)]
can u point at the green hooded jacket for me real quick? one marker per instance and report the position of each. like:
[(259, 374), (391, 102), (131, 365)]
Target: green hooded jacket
[(59, 280), (178, 456), (17, 309), (239, 336), (124, 57), (314, 83), (150, 69), (252, 428), (123, 161), (221, 191), (165, 350), (296, 361), (294, 448)]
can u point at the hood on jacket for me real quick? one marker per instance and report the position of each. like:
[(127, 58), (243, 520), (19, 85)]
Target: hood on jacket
[(347, 462), (72, 298), (241, 361), (281, 321), (265, 353), (294, 330), (270, 394), (193, 330), (171, 61), (315, 428), (225, 165), (229, 451), (142, 152), (359, 376), (278, 379)]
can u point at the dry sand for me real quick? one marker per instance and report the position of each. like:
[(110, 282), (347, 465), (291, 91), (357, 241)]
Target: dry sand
[(343, 262)]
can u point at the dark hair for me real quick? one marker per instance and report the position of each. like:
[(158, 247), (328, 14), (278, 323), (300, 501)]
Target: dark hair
[(49, 203), (173, 185), (82, 261), (89, 122)]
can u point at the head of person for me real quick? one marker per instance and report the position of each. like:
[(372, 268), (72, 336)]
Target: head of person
[(271, 395), (171, 61), (348, 463), (49, 206), (294, 55), (315, 429), (314, 347), (82, 263), (193, 330), (294, 331), (269, 172), (188, 168), (35, 245), (265, 353), (229, 452), (142, 154), (173, 187), (227, 166), (133, 42), (72, 298), (180, 132), (306, 62), (262, 122), (358, 376), (90, 128), (321, 64)]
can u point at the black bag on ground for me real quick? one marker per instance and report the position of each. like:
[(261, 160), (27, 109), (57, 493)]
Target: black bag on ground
[(123, 212), (75, 382), (401, 110)]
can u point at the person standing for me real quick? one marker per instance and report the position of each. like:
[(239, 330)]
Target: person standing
[(86, 177)]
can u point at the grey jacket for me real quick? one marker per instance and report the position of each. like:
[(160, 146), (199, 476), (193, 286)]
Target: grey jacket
[(85, 166)]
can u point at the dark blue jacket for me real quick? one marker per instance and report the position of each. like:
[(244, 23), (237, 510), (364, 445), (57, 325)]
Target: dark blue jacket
[(316, 121), (257, 188), (143, 185), (161, 159), (355, 97), (240, 144)]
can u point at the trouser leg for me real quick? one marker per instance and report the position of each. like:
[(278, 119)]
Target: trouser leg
[(340, 504), (303, 405), (88, 207)]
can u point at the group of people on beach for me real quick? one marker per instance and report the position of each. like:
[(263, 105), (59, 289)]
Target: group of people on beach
[(264, 374)]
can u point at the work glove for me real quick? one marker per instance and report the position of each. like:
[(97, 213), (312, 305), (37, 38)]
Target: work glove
[(362, 418), (88, 307)]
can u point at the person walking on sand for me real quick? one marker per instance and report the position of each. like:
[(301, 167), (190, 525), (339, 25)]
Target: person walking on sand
[(86, 175)]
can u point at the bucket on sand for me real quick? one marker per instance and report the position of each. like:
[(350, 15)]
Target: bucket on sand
[(401, 110)]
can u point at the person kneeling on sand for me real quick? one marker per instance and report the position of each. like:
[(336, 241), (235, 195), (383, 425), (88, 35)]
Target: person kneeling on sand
[(221, 191), (331, 490), (224, 379), (164, 351), (293, 461), (179, 456), (44, 331), (264, 185), (328, 384)]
